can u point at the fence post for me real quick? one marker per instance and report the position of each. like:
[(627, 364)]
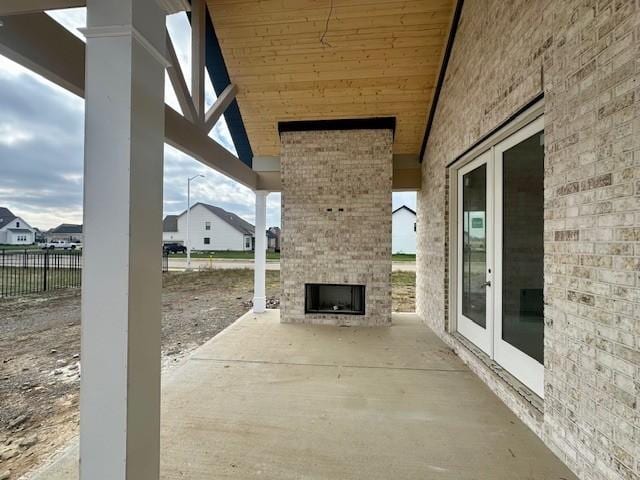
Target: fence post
[(45, 270)]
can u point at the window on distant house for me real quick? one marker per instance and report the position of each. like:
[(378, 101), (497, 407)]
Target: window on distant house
[(207, 240), (17, 224), (414, 226), (207, 225), (247, 242)]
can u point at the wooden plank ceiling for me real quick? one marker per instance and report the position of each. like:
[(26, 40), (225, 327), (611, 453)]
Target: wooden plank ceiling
[(378, 58)]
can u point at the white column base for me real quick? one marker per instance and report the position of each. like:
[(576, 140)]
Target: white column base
[(259, 304)]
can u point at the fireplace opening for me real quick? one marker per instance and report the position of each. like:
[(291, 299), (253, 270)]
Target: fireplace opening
[(331, 298)]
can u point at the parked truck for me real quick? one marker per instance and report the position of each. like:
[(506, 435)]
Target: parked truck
[(61, 245)]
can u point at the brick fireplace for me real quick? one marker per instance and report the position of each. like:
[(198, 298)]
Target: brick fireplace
[(336, 223)]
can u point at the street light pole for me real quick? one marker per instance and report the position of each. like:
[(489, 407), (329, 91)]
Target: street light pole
[(189, 219)]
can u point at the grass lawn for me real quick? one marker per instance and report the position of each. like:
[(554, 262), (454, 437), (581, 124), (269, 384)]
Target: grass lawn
[(239, 255), (403, 279), (404, 257), (225, 254), (19, 247)]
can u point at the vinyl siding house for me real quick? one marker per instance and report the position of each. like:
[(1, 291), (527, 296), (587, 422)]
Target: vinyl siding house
[(273, 239), (518, 125), (212, 228), (65, 232), (14, 230), (403, 228)]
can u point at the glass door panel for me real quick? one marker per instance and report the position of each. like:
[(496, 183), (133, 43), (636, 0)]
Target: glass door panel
[(474, 245), (474, 301), (519, 215), (522, 246)]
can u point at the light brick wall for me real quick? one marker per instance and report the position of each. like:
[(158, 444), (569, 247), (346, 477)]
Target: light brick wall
[(585, 56), (349, 170)]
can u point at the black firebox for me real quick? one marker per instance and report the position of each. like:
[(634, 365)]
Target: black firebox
[(334, 298)]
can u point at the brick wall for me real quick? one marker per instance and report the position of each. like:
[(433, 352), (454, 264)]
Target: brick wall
[(585, 57), (349, 173)]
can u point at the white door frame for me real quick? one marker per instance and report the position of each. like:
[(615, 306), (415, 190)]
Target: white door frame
[(526, 369), (521, 366), (481, 337)]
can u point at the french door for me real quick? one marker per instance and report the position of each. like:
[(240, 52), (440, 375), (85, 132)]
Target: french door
[(500, 253)]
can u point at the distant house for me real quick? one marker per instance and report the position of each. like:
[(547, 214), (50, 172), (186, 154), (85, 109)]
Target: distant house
[(212, 228), (14, 230), (65, 232), (273, 239), (40, 236), (403, 230)]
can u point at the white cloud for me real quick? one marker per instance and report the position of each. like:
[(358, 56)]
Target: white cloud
[(75, 177), (273, 209), (11, 136)]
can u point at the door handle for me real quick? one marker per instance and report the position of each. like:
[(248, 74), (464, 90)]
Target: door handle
[(486, 284)]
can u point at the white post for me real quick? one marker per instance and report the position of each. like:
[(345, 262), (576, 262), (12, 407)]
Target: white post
[(189, 180), (260, 254), (189, 224), (122, 277)]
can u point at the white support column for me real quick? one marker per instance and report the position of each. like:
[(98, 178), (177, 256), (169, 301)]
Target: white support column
[(121, 278), (260, 266)]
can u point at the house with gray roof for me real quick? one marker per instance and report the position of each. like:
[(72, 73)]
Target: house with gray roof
[(14, 230), (211, 228), (65, 232)]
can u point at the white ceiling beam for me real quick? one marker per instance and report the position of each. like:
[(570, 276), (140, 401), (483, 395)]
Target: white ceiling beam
[(221, 104), (193, 141), (20, 7), (198, 18), (179, 84), (174, 6), (40, 44)]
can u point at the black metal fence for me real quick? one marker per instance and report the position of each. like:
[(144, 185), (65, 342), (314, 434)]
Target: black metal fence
[(165, 261), (34, 271)]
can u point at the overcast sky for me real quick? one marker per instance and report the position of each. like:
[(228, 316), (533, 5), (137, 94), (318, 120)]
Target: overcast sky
[(41, 147)]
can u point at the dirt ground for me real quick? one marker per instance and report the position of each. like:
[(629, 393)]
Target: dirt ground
[(403, 291), (40, 352)]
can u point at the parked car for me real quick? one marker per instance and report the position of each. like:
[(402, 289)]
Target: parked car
[(174, 248)]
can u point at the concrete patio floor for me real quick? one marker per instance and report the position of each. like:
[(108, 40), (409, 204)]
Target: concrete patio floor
[(271, 401)]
